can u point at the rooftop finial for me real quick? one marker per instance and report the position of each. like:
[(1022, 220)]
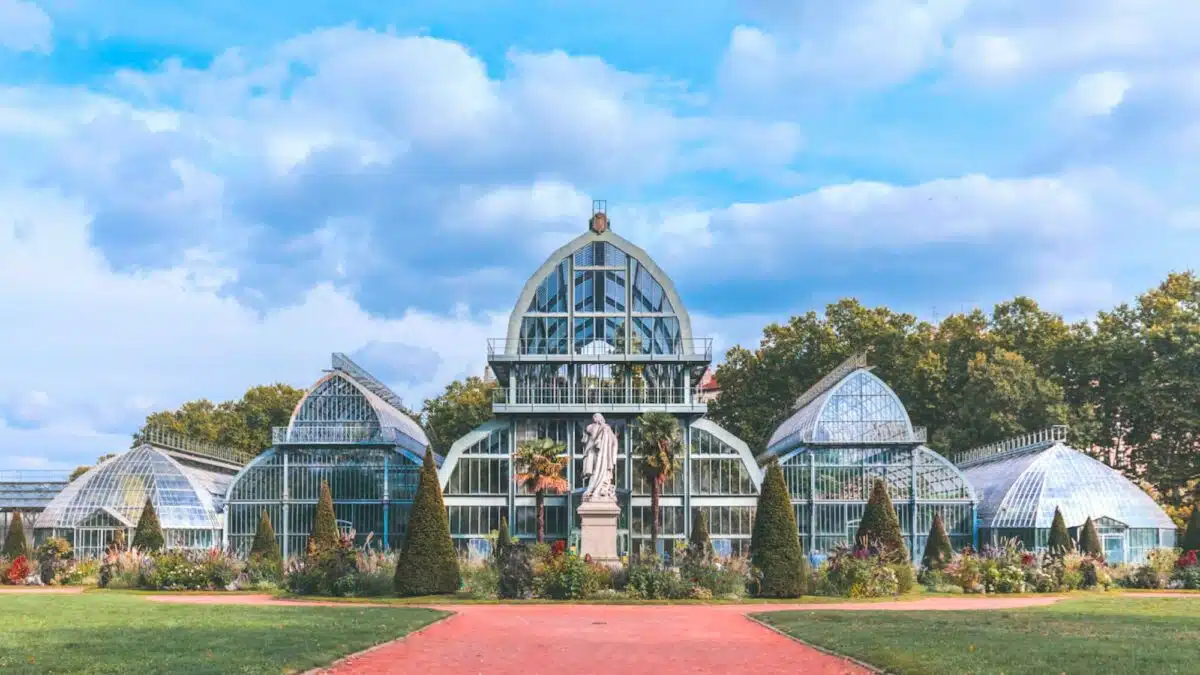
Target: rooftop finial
[(598, 223)]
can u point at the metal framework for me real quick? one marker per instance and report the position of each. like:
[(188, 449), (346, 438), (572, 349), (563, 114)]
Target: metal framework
[(111, 496), (600, 328), (349, 432), (1021, 481), (846, 432)]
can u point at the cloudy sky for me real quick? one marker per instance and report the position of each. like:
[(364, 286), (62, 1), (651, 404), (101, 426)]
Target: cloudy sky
[(198, 197)]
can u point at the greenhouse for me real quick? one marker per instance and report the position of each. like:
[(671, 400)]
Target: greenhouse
[(349, 430), (848, 430), (599, 328), (186, 482), (1021, 481)]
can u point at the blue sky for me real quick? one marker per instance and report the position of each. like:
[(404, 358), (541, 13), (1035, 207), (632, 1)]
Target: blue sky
[(204, 196)]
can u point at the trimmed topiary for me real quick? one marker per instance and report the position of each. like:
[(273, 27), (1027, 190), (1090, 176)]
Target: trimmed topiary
[(938, 551), (1089, 540), (1060, 540), (1191, 539), (880, 527), (503, 541), (775, 541), (265, 545), (699, 545), (14, 541), (148, 538), (324, 536), (428, 564)]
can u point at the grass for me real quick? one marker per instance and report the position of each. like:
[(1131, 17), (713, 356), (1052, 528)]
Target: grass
[(122, 633), (1113, 634)]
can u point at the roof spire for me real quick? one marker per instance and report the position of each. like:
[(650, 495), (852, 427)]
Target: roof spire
[(598, 223)]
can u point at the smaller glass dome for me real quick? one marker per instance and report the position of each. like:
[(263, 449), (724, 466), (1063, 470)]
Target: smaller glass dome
[(1022, 489), (184, 497), (857, 407)]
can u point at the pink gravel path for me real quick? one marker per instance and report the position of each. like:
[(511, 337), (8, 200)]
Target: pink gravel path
[(593, 639)]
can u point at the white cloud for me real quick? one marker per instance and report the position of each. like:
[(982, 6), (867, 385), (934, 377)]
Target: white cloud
[(24, 27), (1096, 94), (97, 347)]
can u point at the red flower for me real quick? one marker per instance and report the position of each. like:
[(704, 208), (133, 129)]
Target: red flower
[(558, 547), (18, 571), (1187, 560), (1028, 559)]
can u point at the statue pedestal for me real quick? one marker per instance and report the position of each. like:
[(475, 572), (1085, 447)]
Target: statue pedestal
[(598, 531)]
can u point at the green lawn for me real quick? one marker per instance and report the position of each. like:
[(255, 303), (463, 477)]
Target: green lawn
[(122, 633), (1090, 634)]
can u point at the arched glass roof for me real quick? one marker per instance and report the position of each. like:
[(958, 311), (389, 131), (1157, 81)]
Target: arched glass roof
[(1022, 489), (184, 497), (599, 289), (341, 401), (858, 408)]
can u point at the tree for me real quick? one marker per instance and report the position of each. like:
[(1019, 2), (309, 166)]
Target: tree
[(244, 424), (14, 542), (775, 540), (464, 405), (148, 536), (1089, 540), (503, 541), (265, 546), (699, 545), (1191, 540), (324, 535), (658, 449), (540, 468), (880, 527), (938, 551), (428, 564), (1060, 540), (1003, 395)]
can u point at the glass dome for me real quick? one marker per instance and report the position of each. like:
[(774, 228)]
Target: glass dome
[(112, 495), (859, 408), (1020, 490)]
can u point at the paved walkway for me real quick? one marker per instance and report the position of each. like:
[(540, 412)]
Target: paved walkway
[(596, 639), (19, 590)]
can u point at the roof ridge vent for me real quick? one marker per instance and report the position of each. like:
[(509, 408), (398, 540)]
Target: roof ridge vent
[(346, 365), (855, 362), (1013, 446)]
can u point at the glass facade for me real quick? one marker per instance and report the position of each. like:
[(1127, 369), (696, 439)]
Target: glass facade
[(847, 432), (346, 431), (111, 497), (1020, 488), (600, 329)]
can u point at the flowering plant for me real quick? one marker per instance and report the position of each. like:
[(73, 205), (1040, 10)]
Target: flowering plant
[(18, 571), (1187, 560)]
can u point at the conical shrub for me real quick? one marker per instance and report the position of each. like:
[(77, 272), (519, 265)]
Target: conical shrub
[(428, 564), (324, 535), (880, 526), (503, 541), (14, 541), (1191, 539), (148, 537), (265, 545), (775, 541), (1060, 540), (699, 544), (938, 551), (1089, 539)]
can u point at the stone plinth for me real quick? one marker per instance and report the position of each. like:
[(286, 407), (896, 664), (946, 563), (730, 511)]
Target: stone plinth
[(598, 531)]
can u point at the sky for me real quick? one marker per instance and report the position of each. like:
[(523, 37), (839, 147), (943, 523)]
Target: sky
[(198, 197)]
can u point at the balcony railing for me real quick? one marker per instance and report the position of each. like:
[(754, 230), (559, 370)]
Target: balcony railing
[(677, 348), (594, 396), (322, 434)]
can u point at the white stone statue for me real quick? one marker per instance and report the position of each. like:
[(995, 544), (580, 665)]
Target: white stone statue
[(599, 461)]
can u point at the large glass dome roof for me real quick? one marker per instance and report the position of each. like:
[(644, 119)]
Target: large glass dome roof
[(857, 407), (185, 497), (1022, 490)]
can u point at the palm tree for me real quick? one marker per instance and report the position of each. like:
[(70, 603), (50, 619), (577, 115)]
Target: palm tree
[(659, 448), (540, 468)]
